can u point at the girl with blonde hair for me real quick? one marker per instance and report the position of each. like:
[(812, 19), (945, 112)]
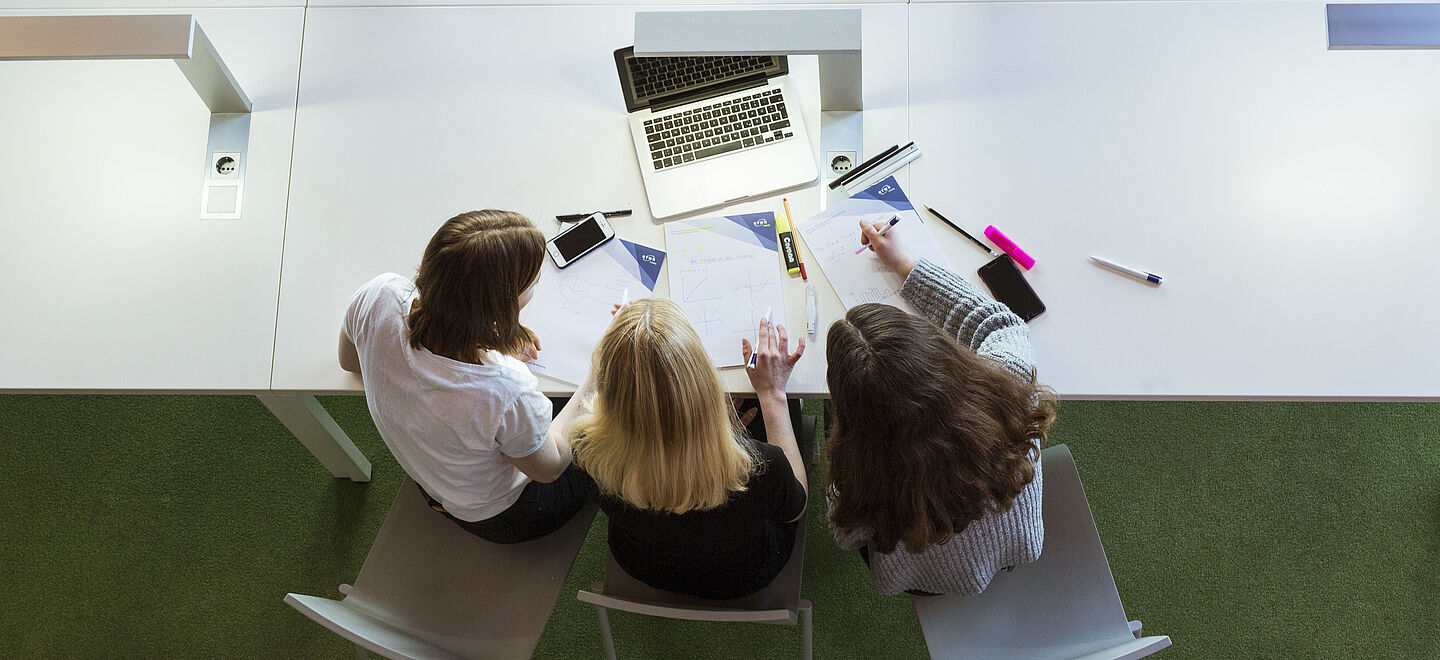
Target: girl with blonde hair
[(694, 506)]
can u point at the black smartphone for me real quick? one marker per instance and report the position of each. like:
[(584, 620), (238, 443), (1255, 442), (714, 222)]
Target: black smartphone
[(1009, 287)]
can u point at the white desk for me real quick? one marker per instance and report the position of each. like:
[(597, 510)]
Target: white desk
[(114, 283), (1287, 193)]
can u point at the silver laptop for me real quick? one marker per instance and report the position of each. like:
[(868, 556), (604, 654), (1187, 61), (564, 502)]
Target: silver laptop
[(711, 131)]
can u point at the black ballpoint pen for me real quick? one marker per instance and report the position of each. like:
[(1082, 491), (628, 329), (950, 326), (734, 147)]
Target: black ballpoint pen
[(962, 231), (571, 217)]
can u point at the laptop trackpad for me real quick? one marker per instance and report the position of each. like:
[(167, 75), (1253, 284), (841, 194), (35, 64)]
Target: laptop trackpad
[(736, 180)]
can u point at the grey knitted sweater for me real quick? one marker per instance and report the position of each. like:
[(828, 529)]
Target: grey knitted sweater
[(965, 564)]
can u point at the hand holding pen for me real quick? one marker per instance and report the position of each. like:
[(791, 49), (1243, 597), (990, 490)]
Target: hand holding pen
[(624, 302), (888, 248), (773, 362)]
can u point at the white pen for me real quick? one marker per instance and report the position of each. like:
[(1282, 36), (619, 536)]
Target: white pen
[(625, 297), (894, 219), (812, 313), (1137, 274), (755, 350)]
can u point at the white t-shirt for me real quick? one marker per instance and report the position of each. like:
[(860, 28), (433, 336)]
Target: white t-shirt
[(447, 422)]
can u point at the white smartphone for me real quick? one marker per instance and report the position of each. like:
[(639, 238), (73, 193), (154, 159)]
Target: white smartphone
[(584, 236)]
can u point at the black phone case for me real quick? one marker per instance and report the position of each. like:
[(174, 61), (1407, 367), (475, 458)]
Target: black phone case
[(1008, 285)]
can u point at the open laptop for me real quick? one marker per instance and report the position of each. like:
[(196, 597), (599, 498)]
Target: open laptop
[(711, 131)]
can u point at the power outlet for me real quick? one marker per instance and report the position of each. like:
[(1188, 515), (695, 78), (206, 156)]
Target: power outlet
[(840, 162), (224, 165)]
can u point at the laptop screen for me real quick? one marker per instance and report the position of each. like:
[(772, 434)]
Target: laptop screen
[(649, 81)]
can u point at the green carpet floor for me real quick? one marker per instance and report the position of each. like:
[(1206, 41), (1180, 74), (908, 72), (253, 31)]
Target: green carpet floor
[(170, 526)]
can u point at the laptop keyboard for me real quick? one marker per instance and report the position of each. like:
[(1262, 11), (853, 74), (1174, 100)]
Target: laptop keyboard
[(658, 76), (718, 128)]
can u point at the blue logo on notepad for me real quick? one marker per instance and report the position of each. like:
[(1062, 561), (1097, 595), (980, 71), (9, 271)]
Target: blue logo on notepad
[(887, 191), (649, 261), (762, 225)]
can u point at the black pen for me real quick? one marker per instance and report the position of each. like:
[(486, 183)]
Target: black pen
[(572, 217), (872, 162), (962, 231)]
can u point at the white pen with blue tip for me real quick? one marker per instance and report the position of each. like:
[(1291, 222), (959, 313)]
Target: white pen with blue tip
[(756, 350), (1132, 272)]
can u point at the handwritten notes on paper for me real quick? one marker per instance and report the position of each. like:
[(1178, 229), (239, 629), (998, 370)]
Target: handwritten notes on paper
[(833, 236), (571, 309), (725, 272)]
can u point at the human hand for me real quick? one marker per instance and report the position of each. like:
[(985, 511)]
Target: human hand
[(773, 362), (887, 247), (736, 402), (616, 307), (531, 351)]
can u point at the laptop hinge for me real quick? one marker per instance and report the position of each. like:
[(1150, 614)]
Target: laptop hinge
[(667, 102)]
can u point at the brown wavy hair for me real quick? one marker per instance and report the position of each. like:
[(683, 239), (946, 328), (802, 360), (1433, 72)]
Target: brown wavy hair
[(470, 280), (928, 435)]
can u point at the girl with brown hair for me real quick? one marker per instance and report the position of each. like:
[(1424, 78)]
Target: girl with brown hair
[(935, 451), (441, 362), (695, 507)]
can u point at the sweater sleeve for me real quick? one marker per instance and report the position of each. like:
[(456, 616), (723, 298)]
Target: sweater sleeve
[(962, 309), (846, 538)]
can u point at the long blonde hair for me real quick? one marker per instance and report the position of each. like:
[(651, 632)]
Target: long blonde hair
[(662, 435)]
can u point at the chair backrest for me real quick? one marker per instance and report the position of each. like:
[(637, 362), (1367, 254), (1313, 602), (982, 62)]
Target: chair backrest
[(777, 603), (427, 584), (1063, 605)]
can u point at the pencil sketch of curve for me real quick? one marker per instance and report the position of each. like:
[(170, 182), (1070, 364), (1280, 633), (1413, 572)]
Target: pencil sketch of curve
[(722, 296), (578, 292), (724, 280)]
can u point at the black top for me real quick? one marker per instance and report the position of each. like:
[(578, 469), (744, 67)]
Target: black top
[(727, 552)]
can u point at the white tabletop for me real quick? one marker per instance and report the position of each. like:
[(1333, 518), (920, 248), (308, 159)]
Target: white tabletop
[(113, 281), (400, 129), (1287, 193)]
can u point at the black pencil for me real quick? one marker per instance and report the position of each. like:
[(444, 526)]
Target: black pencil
[(962, 231)]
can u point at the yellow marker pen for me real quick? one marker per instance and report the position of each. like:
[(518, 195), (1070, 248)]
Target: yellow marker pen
[(787, 243)]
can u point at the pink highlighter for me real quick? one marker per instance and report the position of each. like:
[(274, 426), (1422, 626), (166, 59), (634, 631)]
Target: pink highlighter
[(1010, 248)]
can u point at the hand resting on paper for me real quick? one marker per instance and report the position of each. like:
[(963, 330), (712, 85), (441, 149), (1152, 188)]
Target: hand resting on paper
[(887, 247)]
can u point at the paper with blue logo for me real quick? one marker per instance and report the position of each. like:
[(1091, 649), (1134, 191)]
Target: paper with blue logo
[(571, 308), (725, 272), (833, 236)]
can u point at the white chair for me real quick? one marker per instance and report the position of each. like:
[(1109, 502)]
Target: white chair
[(1062, 606), (779, 603), (429, 589)]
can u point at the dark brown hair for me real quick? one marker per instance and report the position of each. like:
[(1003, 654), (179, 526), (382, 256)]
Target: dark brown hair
[(470, 280), (928, 435)]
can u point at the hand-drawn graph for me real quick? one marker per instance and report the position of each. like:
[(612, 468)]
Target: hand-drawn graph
[(723, 284), (872, 294), (578, 292), (571, 308)]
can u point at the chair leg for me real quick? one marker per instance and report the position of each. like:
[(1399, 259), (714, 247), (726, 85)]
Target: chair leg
[(605, 638), (806, 636), (1135, 628)]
